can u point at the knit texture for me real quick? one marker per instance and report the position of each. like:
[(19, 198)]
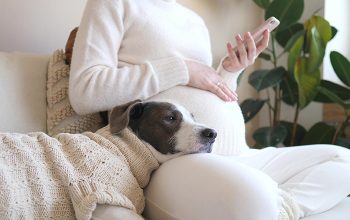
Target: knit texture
[(65, 177), (131, 49), (61, 118)]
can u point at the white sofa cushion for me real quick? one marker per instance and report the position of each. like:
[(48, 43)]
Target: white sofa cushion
[(23, 92)]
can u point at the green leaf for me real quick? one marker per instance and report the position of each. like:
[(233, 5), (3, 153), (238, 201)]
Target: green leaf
[(294, 53), (262, 3), (341, 66), (320, 133), (322, 25), (317, 50), (292, 40), (289, 89), (284, 36), (324, 28), (332, 96), (342, 92), (267, 136), (255, 79), (263, 79), (251, 107), (288, 12), (307, 82), (265, 56), (300, 133), (334, 32)]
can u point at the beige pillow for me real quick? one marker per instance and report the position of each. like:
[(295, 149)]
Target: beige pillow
[(61, 118)]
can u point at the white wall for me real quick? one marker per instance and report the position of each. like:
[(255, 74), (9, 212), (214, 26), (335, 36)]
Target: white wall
[(339, 17), (226, 18), (38, 26), (42, 26)]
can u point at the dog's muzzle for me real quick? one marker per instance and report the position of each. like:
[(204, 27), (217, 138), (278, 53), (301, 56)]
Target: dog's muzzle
[(207, 136)]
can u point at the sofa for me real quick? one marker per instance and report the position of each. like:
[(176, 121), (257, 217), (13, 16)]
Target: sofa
[(23, 108)]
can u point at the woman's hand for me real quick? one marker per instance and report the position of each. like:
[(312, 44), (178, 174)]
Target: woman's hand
[(204, 77), (246, 52)]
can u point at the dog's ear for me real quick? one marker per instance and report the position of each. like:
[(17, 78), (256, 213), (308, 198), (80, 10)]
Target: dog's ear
[(120, 116)]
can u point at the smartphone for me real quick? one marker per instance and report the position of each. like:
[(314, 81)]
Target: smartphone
[(270, 24)]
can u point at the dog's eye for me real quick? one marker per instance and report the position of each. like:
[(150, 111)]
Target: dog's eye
[(170, 118)]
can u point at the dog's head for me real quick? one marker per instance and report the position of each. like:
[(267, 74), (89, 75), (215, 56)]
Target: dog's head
[(169, 128)]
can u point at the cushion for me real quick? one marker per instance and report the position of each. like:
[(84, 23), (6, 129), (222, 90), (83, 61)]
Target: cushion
[(61, 118), (22, 96)]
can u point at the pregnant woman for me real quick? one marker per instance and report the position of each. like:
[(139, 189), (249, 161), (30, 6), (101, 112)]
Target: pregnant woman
[(160, 50)]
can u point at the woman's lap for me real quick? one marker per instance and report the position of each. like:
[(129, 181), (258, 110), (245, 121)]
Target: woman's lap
[(205, 185), (208, 186)]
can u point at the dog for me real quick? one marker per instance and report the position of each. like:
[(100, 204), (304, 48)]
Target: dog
[(169, 128), (162, 131)]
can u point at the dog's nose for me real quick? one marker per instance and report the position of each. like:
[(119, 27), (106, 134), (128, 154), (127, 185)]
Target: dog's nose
[(209, 134)]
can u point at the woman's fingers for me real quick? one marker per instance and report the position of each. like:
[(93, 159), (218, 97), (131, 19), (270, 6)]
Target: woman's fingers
[(262, 45), (223, 92), (232, 54), (205, 78), (245, 52), (251, 47), (233, 95), (241, 51)]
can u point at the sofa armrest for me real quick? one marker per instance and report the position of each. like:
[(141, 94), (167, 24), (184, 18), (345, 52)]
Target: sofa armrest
[(23, 92)]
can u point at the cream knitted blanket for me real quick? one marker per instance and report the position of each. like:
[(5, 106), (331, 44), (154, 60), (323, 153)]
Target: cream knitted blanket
[(64, 177)]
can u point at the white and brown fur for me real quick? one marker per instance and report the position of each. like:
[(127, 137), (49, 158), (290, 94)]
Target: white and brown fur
[(169, 128)]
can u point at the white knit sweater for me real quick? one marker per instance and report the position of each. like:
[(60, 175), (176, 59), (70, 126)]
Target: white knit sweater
[(42, 177), (132, 49)]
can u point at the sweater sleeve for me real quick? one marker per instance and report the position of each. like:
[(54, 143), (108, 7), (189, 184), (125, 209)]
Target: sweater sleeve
[(97, 81), (229, 77)]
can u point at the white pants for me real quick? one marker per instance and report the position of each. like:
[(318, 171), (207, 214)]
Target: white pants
[(317, 176), (206, 186)]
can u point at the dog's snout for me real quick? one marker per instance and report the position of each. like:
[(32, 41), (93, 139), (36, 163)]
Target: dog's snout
[(209, 134)]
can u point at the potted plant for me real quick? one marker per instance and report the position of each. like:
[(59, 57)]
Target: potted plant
[(299, 82)]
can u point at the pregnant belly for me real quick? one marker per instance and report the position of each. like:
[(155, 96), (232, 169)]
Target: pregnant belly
[(225, 117)]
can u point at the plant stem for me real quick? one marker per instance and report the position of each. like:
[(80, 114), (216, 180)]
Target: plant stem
[(268, 49), (277, 107), (341, 128), (270, 106), (281, 54), (277, 103), (274, 50), (295, 123)]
